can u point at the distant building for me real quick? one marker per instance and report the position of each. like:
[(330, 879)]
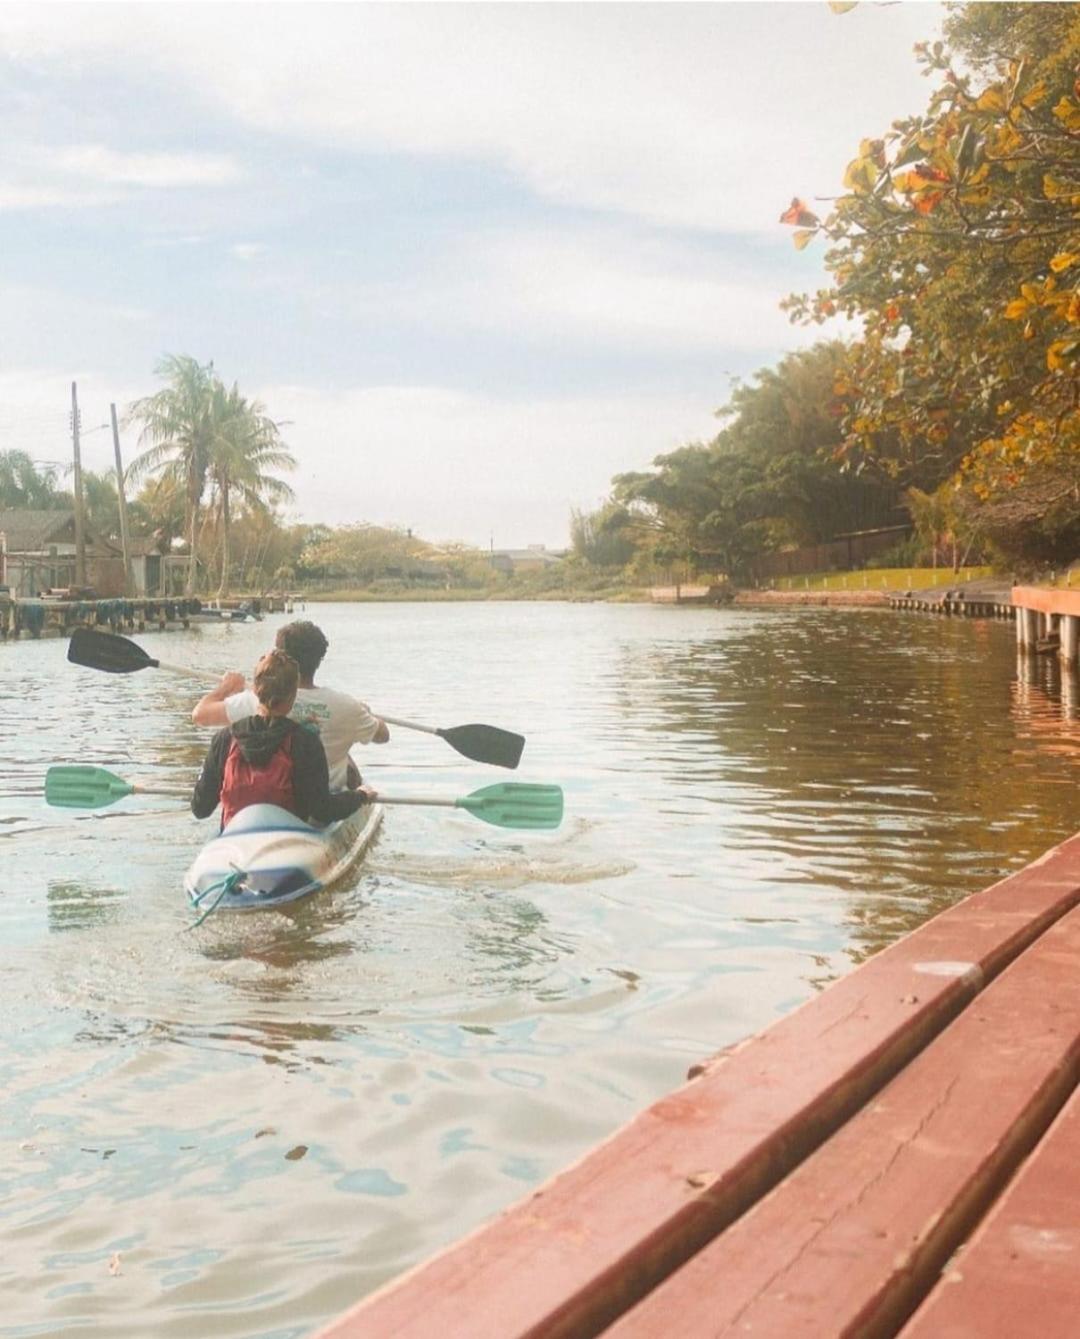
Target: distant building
[(37, 552), (154, 572), (535, 558)]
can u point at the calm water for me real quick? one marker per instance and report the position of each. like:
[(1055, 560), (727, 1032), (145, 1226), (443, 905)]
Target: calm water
[(238, 1130)]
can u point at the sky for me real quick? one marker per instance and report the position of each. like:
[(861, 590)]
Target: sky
[(476, 258)]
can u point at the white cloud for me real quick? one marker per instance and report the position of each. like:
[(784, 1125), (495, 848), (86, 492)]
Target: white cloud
[(599, 285), (248, 250), (39, 176), (701, 116), (17, 196), (594, 285), (458, 466), (155, 170)]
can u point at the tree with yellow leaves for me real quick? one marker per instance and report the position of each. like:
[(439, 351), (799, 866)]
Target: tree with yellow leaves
[(957, 246)]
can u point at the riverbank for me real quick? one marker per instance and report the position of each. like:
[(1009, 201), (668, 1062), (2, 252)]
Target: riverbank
[(849, 599)]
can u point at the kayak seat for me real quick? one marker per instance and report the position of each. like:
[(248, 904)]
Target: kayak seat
[(267, 818)]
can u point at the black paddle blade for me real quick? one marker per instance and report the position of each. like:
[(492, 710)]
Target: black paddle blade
[(485, 743), (107, 651)]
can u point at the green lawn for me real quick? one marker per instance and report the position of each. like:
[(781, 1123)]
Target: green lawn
[(884, 578)]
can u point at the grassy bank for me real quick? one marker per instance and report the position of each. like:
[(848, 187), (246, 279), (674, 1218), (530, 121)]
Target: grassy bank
[(885, 578)]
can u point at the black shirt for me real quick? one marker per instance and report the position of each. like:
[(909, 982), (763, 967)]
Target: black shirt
[(259, 738)]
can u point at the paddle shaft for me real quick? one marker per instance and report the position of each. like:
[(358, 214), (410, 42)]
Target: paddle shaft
[(182, 669), (413, 799), (410, 725)]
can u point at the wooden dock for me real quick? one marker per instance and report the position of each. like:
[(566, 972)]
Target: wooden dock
[(691, 594), (52, 617), (900, 1156), (1048, 620), (954, 603)]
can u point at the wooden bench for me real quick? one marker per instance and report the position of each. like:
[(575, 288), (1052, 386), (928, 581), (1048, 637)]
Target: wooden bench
[(887, 1112), (1020, 1273)]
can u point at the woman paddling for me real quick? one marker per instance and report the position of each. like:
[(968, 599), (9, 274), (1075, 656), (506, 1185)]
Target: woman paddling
[(269, 759)]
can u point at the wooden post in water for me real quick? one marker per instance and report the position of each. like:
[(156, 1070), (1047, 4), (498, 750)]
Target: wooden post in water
[(1070, 639), (1027, 629)]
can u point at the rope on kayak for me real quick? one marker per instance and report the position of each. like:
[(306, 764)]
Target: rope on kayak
[(223, 887)]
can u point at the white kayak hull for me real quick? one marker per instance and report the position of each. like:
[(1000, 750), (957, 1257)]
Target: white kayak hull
[(277, 858)]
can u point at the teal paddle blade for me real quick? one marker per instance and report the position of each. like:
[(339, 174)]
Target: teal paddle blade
[(80, 786), (516, 804)]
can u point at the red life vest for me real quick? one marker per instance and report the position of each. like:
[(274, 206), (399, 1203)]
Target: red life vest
[(243, 784)]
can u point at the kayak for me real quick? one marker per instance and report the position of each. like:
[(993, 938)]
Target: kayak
[(266, 857)]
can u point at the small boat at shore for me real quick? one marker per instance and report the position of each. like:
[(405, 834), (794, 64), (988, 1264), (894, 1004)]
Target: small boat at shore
[(211, 614), (267, 857)]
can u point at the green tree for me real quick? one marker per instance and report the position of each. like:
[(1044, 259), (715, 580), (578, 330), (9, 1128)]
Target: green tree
[(956, 245), (158, 511), (364, 553), (604, 537), (178, 423), (786, 422), (101, 505), (700, 506), (246, 445), (23, 484)]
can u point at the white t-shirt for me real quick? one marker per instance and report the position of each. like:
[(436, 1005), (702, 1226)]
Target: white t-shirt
[(338, 719)]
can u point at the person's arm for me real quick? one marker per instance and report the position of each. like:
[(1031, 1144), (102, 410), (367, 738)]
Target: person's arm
[(367, 728), (311, 783), (207, 792), (210, 708)]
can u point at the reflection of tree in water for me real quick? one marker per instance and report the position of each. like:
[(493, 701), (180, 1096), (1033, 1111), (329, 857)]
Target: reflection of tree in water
[(894, 760)]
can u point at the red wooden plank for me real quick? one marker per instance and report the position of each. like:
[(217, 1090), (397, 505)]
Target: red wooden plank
[(569, 1258), (1019, 1276), (856, 1236), (1046, 599)]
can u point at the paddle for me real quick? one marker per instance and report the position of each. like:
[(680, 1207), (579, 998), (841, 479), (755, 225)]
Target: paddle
[(507, 804), (114, 654)]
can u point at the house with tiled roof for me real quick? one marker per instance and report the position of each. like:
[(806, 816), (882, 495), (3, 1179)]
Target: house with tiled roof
[(37, 553), (535, 558)]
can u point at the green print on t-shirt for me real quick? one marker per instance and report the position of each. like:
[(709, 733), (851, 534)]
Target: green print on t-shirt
[(314, 714)]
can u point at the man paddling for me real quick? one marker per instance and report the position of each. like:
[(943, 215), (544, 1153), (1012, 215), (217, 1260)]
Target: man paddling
[(265, 758), (338, 719)]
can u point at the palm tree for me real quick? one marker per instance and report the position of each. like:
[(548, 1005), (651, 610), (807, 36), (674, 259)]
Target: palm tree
[(247, 444), (178, 424), (101, 504), (21, 484), (158, 511)]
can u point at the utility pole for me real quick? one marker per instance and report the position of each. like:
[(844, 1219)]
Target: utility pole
[(129, 585), (80, 537)]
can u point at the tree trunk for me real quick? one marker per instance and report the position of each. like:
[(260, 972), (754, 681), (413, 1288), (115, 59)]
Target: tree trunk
[(223, 588)]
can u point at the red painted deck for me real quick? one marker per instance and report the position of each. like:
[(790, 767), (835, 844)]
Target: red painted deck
[(1046, 599), (817, 1178)]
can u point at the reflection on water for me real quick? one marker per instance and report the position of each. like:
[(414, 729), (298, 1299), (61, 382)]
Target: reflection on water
[(264, 1116)]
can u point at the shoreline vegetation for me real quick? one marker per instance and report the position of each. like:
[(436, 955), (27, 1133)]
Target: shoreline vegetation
[(946, 434)]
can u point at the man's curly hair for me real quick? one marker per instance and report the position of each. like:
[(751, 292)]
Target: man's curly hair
[(305, 643)]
